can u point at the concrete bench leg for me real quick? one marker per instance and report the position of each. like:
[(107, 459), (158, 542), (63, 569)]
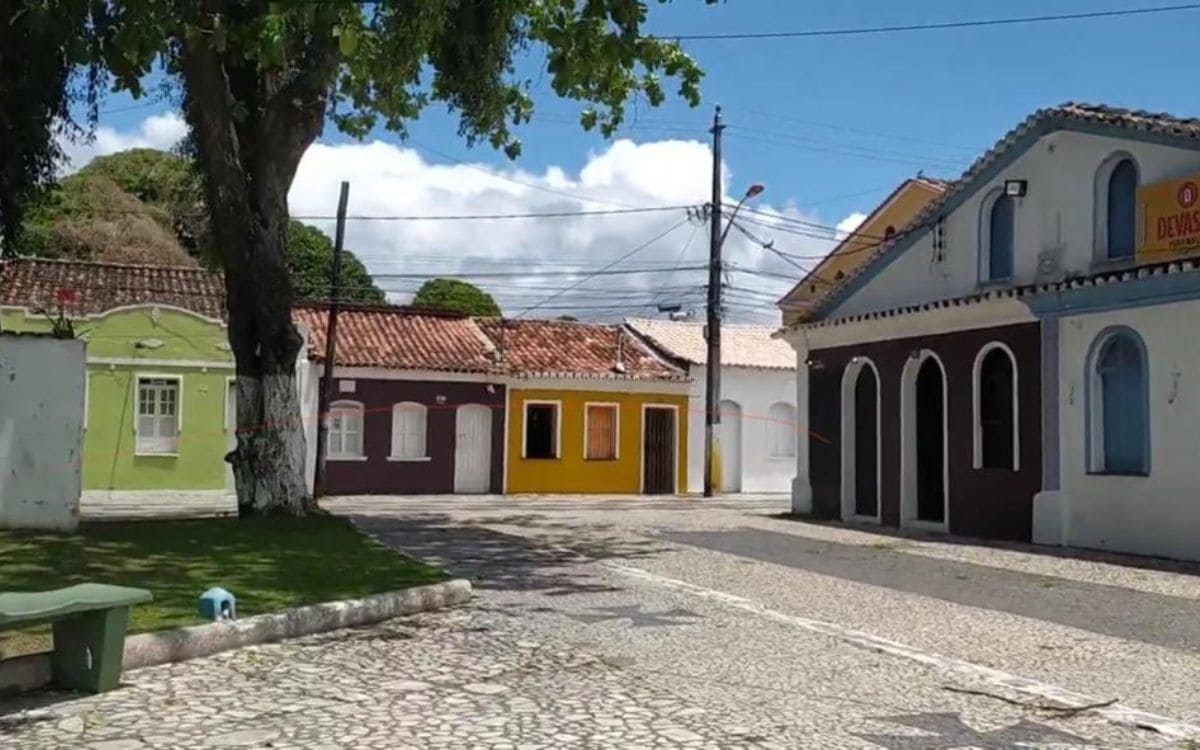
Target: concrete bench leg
[(88, 650)]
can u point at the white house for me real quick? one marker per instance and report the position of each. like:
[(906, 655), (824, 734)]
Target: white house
[(1017, 362), (758, 406)]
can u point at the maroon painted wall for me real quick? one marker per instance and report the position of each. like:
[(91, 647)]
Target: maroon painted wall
[(377, 475), (995, 503)]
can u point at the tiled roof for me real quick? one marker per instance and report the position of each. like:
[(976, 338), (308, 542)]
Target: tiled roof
[(567, 349), (400, 338), (36, 283), (1044, 120), (741, 345)]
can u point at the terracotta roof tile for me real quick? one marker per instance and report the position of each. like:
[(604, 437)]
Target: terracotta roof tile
[(400, 338), (741, 345), (35, 284), (567, 349)]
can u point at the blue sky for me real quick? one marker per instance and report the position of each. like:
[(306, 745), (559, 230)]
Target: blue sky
[(830, 125)]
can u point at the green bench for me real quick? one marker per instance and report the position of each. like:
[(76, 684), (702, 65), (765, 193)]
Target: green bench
[(89, 622)]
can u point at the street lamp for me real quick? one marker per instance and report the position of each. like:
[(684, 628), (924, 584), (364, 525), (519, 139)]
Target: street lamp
[(752, 191), (712, 369)]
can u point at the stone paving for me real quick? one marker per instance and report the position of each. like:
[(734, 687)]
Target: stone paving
[(564, 648)]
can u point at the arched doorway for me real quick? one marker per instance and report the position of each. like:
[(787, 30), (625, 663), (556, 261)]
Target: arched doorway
[(924, 490), (860, 440), (731, 446), (931, 443)]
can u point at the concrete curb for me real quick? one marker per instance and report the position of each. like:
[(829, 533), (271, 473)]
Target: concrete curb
[(148, 649)]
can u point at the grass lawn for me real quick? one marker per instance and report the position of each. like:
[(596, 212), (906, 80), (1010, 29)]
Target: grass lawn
[(268, 565)]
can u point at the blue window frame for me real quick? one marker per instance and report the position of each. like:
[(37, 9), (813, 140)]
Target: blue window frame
[(1122, 210), (1121, 406), (1001, 225)]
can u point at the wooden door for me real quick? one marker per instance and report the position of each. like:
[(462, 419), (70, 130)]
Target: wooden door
[(658, 451), (473, 449)]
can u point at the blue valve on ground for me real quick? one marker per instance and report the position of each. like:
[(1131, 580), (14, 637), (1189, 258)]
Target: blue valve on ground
[(217, 604)]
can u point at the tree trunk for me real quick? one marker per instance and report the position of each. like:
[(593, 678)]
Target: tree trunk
[(250, 134)]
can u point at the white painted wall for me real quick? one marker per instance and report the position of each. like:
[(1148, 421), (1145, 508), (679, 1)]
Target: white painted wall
[(1154, 515), (41, 431), (755, 390), (1057, 212)]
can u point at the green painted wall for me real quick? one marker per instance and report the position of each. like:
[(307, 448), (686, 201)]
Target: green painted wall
[(109, 458)]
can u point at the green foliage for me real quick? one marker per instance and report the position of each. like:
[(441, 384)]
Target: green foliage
[(457, 296), (89, 217), (167, 182), (383, 62), (310, 262), (35, 99)]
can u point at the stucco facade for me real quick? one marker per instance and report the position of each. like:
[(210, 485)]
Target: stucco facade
[(757, 402), (570, 471), (1056, 235), (443, 399), (1098, 330), (1156, 513), (150, 342)]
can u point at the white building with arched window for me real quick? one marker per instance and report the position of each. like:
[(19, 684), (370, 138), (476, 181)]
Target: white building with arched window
[(1020, 361), (760, 435)]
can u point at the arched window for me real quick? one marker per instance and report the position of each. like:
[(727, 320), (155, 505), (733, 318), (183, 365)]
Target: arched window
[(1122, 209), (408, 431), (1001, 227), (996, 436), (1118, 396), (781, 430), (345, 430)]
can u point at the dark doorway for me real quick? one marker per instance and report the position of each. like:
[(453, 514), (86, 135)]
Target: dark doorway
[(996, 423), (658, 451), (931, 442), (866, 443)]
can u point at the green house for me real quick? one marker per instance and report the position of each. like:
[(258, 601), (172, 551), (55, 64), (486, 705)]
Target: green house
[(159, 407)]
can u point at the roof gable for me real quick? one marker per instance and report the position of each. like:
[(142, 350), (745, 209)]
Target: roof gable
[(1085, 118)]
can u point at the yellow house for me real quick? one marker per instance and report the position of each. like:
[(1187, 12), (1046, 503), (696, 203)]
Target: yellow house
[(889, 219), (590, 410)]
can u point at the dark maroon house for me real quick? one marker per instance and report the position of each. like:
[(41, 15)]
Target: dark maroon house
[(962, 410), (418, 405)]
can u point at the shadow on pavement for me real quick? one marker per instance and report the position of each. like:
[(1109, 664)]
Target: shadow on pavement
[(1141, 562), (494, 560)]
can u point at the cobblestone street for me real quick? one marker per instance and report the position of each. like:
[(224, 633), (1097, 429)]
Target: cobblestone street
[(669, 624)]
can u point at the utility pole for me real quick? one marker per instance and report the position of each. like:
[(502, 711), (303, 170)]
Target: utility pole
[(326, 390), (712, 387)]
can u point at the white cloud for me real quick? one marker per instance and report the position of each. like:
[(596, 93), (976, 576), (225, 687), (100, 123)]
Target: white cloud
[(160, 131), (392, 180), (850, 223)]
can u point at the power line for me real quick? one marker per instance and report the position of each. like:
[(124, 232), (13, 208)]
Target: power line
[(848, 148), (607, 269), (515, 181), (840, 150), (861, 131), (904, 28)]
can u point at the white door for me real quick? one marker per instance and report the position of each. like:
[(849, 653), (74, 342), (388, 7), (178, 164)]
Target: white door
[(230, 428), (731, 447), (473, 449)]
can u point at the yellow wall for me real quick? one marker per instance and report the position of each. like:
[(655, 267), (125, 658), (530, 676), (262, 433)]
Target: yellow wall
[(570, 472), (900, 209)]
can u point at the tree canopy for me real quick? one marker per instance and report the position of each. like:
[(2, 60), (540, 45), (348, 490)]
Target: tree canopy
[(259, 82), (310, 261), (454, 295), (37, 44)]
